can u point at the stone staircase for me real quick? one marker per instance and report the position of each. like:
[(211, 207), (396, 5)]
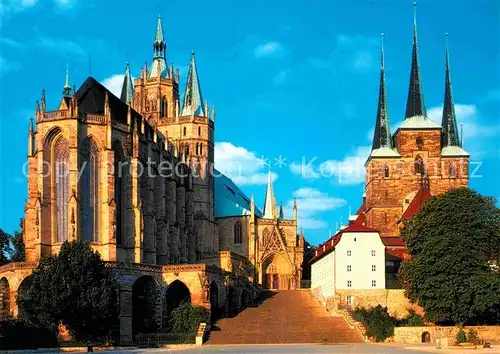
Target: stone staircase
[(291, 316)]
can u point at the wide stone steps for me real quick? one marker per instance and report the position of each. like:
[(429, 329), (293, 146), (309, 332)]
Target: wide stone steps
[(291, 316)]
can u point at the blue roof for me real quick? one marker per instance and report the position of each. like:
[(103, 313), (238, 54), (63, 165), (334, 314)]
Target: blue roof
[(229, 199)]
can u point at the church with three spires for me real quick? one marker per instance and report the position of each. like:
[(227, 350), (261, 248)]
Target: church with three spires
[(420, 159), (134, 176)]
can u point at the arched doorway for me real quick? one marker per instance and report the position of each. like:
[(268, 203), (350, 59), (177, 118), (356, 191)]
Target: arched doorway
[(277, 270), (214, 301), (23, 296), (426, 337), (144, 300), (4, 299), (177, 293)]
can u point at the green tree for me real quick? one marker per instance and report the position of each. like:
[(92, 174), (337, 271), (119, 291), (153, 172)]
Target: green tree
[(4, 247), (454, 242), (186, 318), (72, 288)]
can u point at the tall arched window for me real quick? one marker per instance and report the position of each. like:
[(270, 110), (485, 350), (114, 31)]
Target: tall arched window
[(419, 165), (184, 131), (385, 171), (164, 107), (60, 170), (237, 233), (186, 150), (120, 169), (451, 170), (265, 237), (197, 148), (201, 149), (199, 131), (89, 185)]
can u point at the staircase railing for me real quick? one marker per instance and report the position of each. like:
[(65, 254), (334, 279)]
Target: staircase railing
[(347, 312)]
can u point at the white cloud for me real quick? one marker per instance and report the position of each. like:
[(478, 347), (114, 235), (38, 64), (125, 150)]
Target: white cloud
[(354, 52), (241, 165), (311, 203), (61, 46), (281, 77), (11, 43), (7, 65), (268, 49), (114, 84), (348, 171)]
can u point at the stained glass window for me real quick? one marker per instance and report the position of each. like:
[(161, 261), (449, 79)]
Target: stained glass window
[(89, 183), (61, 178), (237, 233), (119, 192)]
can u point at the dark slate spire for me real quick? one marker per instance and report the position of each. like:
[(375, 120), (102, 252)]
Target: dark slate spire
[(159, 66), (67, 86), (449, 135), (382, 135), (127, 87), (281, 211), (193, 101), (415, 106)]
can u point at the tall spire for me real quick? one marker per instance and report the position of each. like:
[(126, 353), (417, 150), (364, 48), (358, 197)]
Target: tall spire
[(270, 203), (193, 102), (159, 66), (67, 86), (415, 106), (449, 135), (127, 87), (382, 135), (281, 211)]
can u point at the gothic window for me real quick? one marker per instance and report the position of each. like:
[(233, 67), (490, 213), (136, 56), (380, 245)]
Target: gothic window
[(451, 170), (265, 237), (89, 186), (419, 165), (184, 131), (119, 192), (197, 149), (201, 149), (186, 150), (386, 171), (420, 143), (199, 131), (237, 233), (164, 112), (61, 177)]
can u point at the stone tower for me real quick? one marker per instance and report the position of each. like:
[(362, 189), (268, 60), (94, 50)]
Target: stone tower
[(421, 153), (188, 128)]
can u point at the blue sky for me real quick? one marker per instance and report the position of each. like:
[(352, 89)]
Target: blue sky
[(297, 79)]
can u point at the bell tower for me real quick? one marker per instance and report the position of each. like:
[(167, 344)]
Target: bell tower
[(157, 89)]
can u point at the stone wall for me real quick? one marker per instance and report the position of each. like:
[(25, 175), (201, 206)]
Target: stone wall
[(413, 335), (394, 299)]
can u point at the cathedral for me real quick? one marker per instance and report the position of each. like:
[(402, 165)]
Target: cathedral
[(134, 176)]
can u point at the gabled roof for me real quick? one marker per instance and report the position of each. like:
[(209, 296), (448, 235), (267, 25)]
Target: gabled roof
[(90, 97), (392, 241), (420, 198), (229, 199), (454, 151), (358, 227)]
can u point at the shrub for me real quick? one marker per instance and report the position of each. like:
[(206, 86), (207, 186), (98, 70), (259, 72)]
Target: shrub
[(377, 321), (472, 337), (461, 337), (186, 318), (413, 319), (18, 335)]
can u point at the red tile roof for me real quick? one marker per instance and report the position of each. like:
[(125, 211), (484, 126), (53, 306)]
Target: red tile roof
[(400, 253), (358, 227), (393, 241), (420, 198)]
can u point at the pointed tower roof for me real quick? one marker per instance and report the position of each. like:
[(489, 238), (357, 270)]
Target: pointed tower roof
[(416, 113), (193, 101), (159, 31), (67, 86), (281, 211), (382, 139), (159, 66), (127, 87), (450, 141), (270, 203)]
